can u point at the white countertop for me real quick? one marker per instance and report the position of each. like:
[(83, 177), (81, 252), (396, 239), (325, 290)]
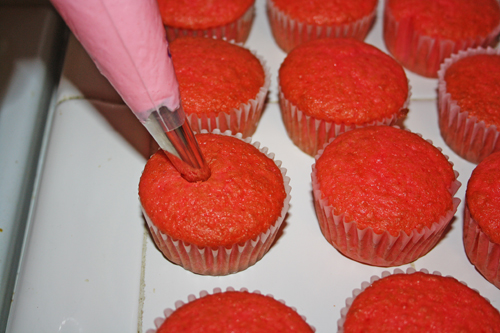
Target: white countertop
[(90, 265)]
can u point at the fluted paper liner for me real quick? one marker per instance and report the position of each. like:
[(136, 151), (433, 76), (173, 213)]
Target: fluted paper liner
[(243, 119), (423, 54), (481, 251), (222, 260), (366, 284), (310, 134), (236, 31), (468, 136), (368, 247), (288, 33), (167, 312)]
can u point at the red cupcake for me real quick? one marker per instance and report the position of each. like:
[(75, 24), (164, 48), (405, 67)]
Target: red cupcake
[(222, 225), (294, 22), (383, 196), (482, 218), (329, 86), (221, 19), (417, 302), (469, 103), (420, 34), (232, 311), (225, 91)]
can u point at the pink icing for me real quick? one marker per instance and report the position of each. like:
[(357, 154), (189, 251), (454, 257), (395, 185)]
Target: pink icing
[(127, 42)]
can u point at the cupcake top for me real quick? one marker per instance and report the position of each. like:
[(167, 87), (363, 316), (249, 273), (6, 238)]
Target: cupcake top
[(243, 197), (215, 75), (420, 302), (483, 196), (386, 178), (473, 83), (201, 14), (343, 80), (234, 311), (326, 12), (448, 19)]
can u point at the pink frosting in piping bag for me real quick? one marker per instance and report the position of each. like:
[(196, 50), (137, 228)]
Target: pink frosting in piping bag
[(138, 66), (127, 41)]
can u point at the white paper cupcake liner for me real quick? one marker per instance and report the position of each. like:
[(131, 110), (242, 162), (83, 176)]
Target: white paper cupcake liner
[(222, 260), (244, 119), (311, 134), (468, 136), (370, 248), (288, 33), (366, 284), (423, 54), (236, 31), (481, 251)]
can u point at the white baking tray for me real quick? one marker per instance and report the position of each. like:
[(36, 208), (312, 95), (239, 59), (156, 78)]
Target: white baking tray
[(91, 266), (31, 49)]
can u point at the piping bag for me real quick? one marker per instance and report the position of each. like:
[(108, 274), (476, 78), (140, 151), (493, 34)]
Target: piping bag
[(127, 42)]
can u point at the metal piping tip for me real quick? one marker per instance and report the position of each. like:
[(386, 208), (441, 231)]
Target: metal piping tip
[(187, 158), (179, 143)]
